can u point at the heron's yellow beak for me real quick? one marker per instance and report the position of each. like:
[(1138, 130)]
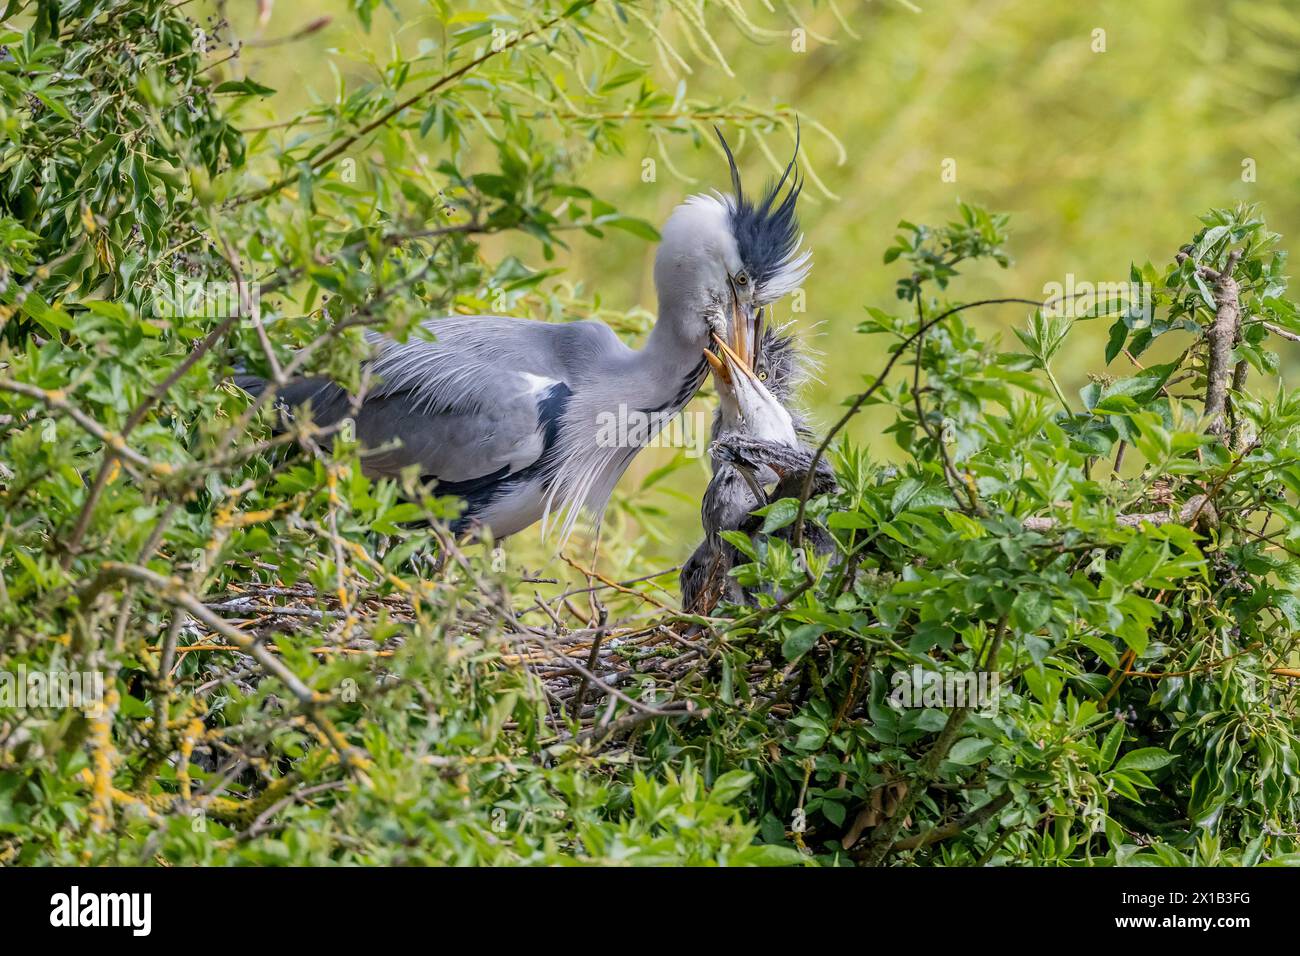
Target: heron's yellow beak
[(730, 364), (741, 352)]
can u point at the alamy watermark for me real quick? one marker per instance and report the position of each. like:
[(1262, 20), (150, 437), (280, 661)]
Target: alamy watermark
[(189, 298), (634, 428), (133, 911), (1080, 298), (921, 687)]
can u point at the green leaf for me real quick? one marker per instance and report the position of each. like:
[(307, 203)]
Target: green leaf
[(250, 87), (1110, 746), (801, 640), (779, 514), (1118, 335), (1030, 610), (1148, 758), (50, 319), (740, 541), (638, 227), (970, 750), (730, 785), (770, 854)]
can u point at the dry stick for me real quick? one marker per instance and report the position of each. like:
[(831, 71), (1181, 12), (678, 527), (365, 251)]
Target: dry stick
[(974, 818), (323, 649), (137, 416), (507, 613), (597, 587), (806, 492), (600, 732), (593, 658), (594, 606), (341, 147), (606, 582), (1222, 333), (882, 842), (1278, 330), (588, 675), (1188, 514)]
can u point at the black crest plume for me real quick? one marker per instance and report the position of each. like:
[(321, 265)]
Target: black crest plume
[(767, 232)]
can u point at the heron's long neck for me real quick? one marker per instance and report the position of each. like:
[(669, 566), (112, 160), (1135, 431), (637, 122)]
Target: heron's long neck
[(670, 367), (658, 381)]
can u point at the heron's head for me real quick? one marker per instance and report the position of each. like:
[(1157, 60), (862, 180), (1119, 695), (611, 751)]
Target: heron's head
[(723, 258), (745, 404)]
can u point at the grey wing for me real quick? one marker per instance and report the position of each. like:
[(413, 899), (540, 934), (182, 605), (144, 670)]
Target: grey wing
[(484, 398), (508, 429), (457, 445)]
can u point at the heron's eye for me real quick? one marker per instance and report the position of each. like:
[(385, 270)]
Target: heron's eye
[(742, 278), (762, 375)]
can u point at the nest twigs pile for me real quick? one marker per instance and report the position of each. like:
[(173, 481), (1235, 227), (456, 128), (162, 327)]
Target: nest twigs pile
[(608, 656)]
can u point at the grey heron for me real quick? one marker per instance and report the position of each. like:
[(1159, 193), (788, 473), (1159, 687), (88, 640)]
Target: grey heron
[(507, 413), (757, 445)]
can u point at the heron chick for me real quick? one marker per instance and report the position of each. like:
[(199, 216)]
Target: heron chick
[(509, 414), (758, 456)]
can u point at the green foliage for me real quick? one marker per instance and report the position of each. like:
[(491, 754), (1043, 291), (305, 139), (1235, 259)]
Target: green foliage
[(153, 243), (1139, 610)]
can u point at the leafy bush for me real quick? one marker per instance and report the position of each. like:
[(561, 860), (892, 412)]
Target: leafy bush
[(1127, 573), (286, 679)]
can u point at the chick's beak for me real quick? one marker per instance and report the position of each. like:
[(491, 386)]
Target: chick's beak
[(745, 333), (720, 373), (728, 365), (752, 481)]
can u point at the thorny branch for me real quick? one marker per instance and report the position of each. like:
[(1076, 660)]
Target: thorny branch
[(1222, 334)]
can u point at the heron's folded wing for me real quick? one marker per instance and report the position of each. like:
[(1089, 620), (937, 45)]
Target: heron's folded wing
[(460, 446)]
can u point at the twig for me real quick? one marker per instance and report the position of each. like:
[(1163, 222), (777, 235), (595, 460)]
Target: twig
[(1222, 333), (882, 843), (974, 818), (338, 149), (862, 398), (57, 400), (73, 544), (593, 657), (170, 590), (1188, 514)]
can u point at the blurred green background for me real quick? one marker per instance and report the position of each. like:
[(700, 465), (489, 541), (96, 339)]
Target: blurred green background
[(1104, 128)]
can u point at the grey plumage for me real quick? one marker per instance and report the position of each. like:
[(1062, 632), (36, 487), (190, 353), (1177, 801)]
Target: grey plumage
[(746, 461), (483, 410), (508, 413)]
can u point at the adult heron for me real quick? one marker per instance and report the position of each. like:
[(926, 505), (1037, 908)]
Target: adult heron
[(508, 414), (759, 455)]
